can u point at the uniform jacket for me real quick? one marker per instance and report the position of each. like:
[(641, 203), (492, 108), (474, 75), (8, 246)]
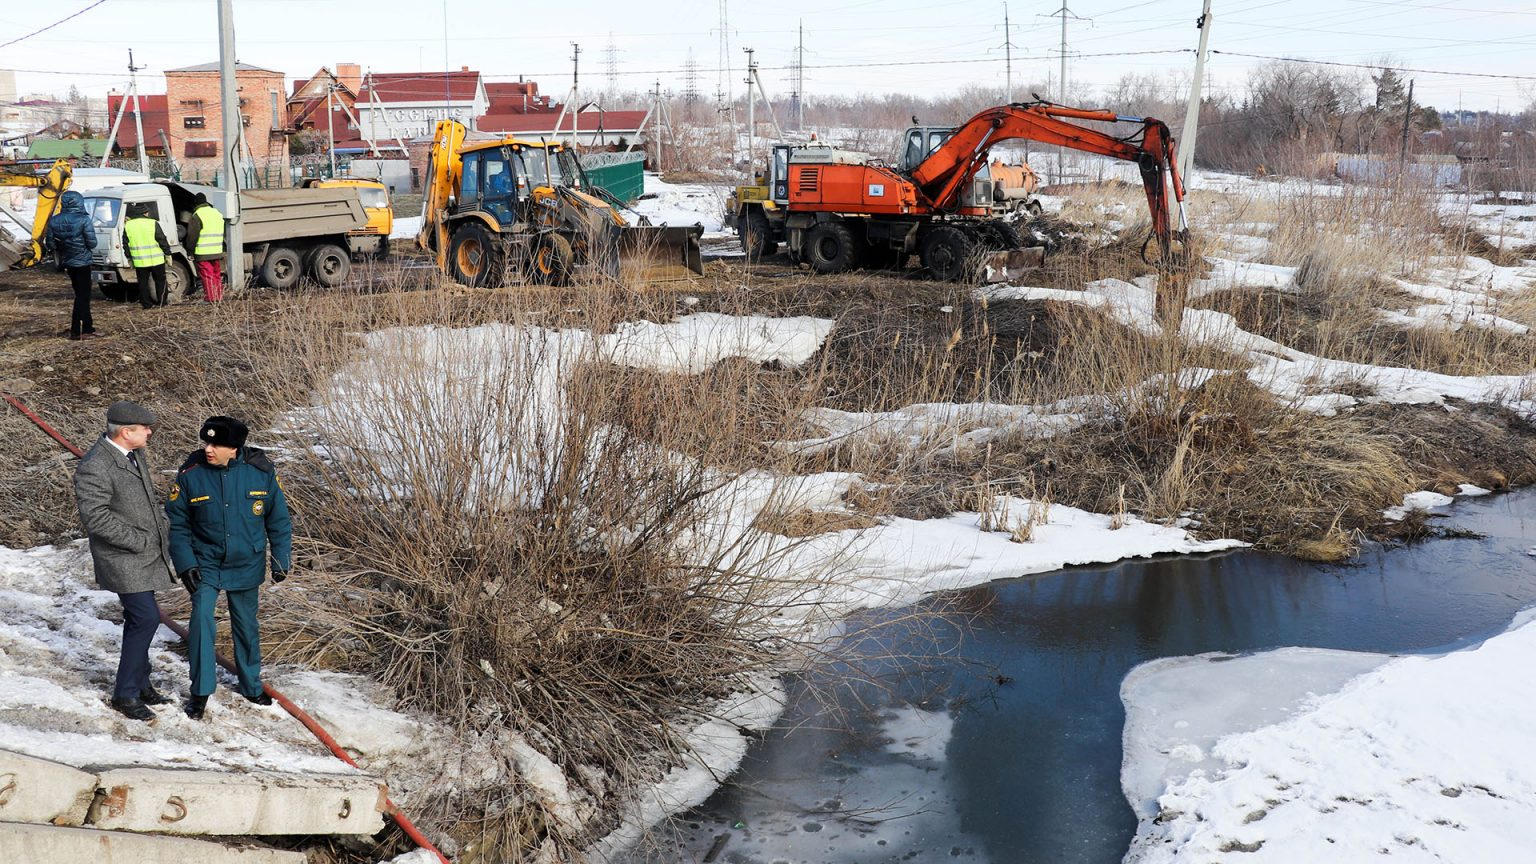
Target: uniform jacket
[(69, 232), (123, 518), (195, 230), (225, 521)]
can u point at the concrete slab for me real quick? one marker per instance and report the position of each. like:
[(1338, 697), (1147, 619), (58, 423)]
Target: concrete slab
[(87, 846), (214, 802), (37, 790)]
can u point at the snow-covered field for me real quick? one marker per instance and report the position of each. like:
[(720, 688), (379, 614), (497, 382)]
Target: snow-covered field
[(1311, 755), (679, 204)]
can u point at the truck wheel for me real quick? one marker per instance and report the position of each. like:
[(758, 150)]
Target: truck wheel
[(178, 281), (949, 254), (281, 268), (757, 236), (328, 264), (471, 257), (830, 248), (551, 260)]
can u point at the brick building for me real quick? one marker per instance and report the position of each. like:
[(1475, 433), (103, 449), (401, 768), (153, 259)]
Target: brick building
[(307, 104), (195, 125)]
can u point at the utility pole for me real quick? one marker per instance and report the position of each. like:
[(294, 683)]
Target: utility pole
[(122, 108), (800, 82), (575, 94), (138, 122), (330, 125), (1402, 150), (751, 112), (229, 122), (1061, 94), (1008, 47), (1186, 142)]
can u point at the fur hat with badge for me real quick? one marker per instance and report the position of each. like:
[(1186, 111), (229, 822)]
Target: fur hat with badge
[(223, 432)]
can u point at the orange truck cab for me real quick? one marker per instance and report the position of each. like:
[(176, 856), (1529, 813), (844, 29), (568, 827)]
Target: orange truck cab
[(381, 216)]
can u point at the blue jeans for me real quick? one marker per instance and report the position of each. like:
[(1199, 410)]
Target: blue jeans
[(141, 615)]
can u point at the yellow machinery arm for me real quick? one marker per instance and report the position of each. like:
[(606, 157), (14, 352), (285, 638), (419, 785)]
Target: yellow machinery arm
[(49, 188), (444, 170)]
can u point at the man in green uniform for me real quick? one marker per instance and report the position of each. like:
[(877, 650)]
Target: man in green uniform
[(227, 514), (148, 250)]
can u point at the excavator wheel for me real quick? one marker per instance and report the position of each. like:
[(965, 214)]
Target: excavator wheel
[(471, 255), (949, 253), (830, 248), (757, 237), (551, 261)]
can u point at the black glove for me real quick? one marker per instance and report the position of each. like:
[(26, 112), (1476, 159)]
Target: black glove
[(190, 579), (278, 576)]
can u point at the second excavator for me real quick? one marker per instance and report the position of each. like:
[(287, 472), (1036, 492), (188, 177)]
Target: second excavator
[(844, 210)]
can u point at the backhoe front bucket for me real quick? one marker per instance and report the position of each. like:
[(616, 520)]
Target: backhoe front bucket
[(1010, 264), (660, 253)]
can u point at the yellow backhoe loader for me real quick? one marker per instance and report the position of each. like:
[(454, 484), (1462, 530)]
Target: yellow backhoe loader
[(23, 253), (513, 208)]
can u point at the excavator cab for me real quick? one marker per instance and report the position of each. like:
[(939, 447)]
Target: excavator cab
[(523, 205)]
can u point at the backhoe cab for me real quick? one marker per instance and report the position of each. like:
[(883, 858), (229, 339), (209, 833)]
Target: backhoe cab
[(511, 206)]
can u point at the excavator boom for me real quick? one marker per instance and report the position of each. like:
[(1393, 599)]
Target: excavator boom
[(942, 176), (49, 188)]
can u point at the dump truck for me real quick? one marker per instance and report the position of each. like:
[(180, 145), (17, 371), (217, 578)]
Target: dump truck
[(287, 234), (373, 238), (758, 211), (513, 207)]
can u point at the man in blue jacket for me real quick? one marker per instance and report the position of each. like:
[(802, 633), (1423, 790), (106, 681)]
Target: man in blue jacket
[(227, 515), (71, 238)]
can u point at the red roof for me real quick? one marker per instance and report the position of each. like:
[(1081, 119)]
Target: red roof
[(612, 122), (518, 97), (153, 114), (420, 86)]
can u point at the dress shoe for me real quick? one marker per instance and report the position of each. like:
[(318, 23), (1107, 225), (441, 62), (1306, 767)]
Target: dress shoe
[(151, 696), (195, 707), (260, 699), (133, 709)]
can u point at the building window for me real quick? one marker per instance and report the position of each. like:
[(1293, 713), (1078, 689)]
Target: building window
[(192, 122), (197, 149), (276, 124)]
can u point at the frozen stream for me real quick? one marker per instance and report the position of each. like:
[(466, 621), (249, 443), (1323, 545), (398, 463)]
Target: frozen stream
[(986, 724)]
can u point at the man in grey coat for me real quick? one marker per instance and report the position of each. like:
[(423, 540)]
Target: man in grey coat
[(130, 547)]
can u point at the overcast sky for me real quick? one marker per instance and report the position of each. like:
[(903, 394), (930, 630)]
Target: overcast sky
[(851, 46)]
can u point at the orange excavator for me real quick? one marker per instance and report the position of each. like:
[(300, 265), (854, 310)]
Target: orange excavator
[(845, 210)]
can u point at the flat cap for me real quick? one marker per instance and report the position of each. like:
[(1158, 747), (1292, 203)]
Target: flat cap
[(130, 414)]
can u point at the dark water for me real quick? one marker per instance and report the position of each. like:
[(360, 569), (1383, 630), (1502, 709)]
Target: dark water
[(1028, 673)]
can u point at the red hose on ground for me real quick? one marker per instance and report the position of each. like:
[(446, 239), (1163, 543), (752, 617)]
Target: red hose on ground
[(298, 713)]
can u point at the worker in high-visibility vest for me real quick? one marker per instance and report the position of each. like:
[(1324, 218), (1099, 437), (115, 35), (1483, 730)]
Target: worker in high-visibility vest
[(148, 250), (205, 238)]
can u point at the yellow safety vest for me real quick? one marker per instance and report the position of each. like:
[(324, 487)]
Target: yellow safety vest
[(143, 250), (210, 238)]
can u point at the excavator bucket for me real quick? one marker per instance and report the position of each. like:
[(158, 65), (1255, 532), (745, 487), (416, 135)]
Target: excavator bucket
[(13, 251), (1009, 264), (660, 253)]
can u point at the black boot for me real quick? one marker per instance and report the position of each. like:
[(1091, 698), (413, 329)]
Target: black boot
[(195, 706), (150, 696), (260, 699), (133, 709)]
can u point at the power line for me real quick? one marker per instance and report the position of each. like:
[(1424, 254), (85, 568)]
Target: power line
[(1378, 66), (53, 25)]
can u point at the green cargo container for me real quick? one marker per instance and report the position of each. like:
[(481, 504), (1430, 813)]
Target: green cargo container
[(622, 175)]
